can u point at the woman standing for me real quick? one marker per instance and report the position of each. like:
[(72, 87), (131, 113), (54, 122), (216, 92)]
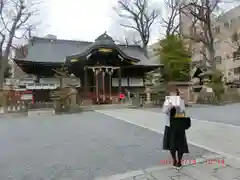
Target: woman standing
[(174, 140)]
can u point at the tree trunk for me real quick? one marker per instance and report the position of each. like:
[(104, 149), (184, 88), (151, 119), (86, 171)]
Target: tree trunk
[(211, 58), (145, 50), (9, 41)]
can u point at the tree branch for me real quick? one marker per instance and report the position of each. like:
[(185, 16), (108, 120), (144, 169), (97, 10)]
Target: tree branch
[(14, 17), (201, 11), (140, 15), (171, 23)]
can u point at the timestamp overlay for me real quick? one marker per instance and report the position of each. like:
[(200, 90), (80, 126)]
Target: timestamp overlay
[(193, 161)]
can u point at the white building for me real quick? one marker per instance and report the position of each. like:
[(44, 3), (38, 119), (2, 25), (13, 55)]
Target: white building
[(224, 27)]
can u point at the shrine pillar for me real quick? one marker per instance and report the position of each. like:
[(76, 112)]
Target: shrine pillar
[(85, 81), (120, 80), (103, 84), (110, 72)]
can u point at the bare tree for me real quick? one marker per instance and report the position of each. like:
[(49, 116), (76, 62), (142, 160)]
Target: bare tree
[(139, 16), (171, 22), (202, 11), (129, 37), (15, 18)]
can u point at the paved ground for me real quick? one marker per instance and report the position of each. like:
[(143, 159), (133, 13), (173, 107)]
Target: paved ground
[(217, 137), (205, 134), (224, 114), (219, 169), (77, 147)]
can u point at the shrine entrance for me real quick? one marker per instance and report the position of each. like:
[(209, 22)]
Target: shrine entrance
[(104, 68), (100, 83)]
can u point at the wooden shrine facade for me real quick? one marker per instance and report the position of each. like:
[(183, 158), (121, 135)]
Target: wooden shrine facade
[(104, 68)]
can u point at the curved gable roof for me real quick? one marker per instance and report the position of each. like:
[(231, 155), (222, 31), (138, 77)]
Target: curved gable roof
[(104, 41), (48, 50)]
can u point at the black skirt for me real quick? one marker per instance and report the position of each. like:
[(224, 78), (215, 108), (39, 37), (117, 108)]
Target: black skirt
[(175, 140)]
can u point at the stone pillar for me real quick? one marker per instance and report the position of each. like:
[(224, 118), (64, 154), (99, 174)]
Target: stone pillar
[(148, 94), (73, 96), (148, 98)]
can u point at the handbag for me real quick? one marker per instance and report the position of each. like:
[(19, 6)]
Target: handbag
[(179, 115), (188, 123), (180, 123)]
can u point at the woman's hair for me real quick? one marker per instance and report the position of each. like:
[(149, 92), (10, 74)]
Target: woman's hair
[(173, 112)]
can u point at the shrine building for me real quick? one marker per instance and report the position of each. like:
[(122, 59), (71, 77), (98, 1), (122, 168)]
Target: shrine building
[(104, 68)]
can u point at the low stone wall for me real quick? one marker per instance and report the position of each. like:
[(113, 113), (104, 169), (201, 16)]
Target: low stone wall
[(17, 108), (24, 108), (231, 95)]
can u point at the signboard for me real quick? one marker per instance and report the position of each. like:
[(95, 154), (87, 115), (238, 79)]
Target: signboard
[(74, 60), (174, 100), (104, 50)]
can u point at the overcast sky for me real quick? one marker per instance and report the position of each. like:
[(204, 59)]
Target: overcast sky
[(82, 19)]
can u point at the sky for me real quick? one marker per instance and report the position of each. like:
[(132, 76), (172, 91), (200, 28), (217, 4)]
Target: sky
[(84, 20), (80, 19)]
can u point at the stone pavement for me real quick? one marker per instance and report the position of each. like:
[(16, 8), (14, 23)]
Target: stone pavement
[(222, 139), (209, 167), (212, 113), (216, 137)]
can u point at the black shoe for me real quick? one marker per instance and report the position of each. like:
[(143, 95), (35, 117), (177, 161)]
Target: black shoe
[(174, 164), (179, 166)]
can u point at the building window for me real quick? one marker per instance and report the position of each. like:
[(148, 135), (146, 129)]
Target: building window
[(218, 59), (236, 55), (226, 25), (237, 70)]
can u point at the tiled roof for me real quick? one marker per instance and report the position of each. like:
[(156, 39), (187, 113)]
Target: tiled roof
[(56, 50)]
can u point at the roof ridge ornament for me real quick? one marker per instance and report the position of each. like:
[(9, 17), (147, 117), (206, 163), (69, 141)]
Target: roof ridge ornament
[(104, 37)]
